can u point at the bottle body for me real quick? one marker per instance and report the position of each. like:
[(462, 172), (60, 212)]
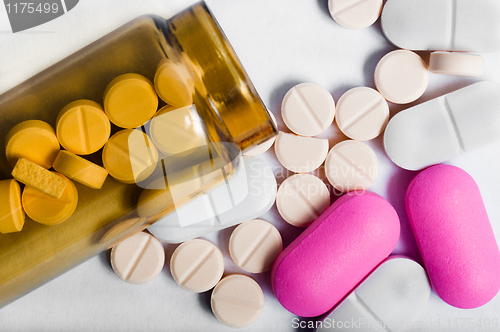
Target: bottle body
[(227, 114)]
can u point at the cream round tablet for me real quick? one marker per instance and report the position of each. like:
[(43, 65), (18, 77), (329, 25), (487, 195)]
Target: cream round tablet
[(82, 127), (355, 14), (401, 76), (300, 154), (456, 64), (263, 147), (301, 199), (129, 156), (351, 165), (254, 245), (175, 130), (308, 109), (197, 265), (173, 84), (138, 259), (130, 100), (362, 113), (237, 300)]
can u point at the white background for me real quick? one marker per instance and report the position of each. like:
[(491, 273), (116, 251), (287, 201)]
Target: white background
[(281, 43)]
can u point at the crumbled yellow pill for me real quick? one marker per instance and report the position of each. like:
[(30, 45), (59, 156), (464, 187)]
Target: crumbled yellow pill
[(130, 101), (47, 210), (39, 178), (175, 130), (174, 84), (82, 127), (80, 169), (34, 140), (130, 156), (11, 210)]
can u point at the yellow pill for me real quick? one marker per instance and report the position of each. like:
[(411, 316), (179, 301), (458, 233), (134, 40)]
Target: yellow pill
[(47, 210), (82, 127), (11, 210), (80, 169), (34, 140), (174, 84), (38, 178), (130, 156), (130, 101), (175, 130)]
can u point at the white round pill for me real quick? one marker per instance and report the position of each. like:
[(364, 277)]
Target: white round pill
[(401, 76), (351, 165), (263, 147), (308, 109), (301, 199), (362, 113), (456, 64), (237, 300), (138, 259), (300, 154), (197, 265), (357, 14), (254, 245)]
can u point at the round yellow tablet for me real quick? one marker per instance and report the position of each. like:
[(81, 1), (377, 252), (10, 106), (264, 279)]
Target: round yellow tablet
[(80, 169), (130, 101), (130, 156), (82, 127), (175, 130), (174, 84), (11, 210), (47, 210), (34, 140)]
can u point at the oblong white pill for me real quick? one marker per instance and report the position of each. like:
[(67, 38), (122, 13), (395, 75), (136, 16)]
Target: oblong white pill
[(248, 194), (355, 14), (351, 165), (300, 154), (301, 199), (197, 265), (401, 76), (391, 295), (262, 147), (362, 113), (138, 259), (445, 127), (308, 109), (445, 25), (237, 300), (254, 245), (456, 64)]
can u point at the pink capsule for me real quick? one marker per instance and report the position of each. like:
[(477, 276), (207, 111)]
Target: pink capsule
[(336, 252), (454, 236)]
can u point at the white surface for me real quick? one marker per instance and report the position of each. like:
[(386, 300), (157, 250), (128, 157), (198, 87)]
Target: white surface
[(281, 43), (445, 127), (448, 25), (394, 293)]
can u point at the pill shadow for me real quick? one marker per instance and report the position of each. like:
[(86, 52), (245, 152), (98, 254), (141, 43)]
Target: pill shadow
[(323, 5), (105, 258), (372, 61), (169, 250), (277, 97), (204, 299), (396, 193), (304, 323)]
